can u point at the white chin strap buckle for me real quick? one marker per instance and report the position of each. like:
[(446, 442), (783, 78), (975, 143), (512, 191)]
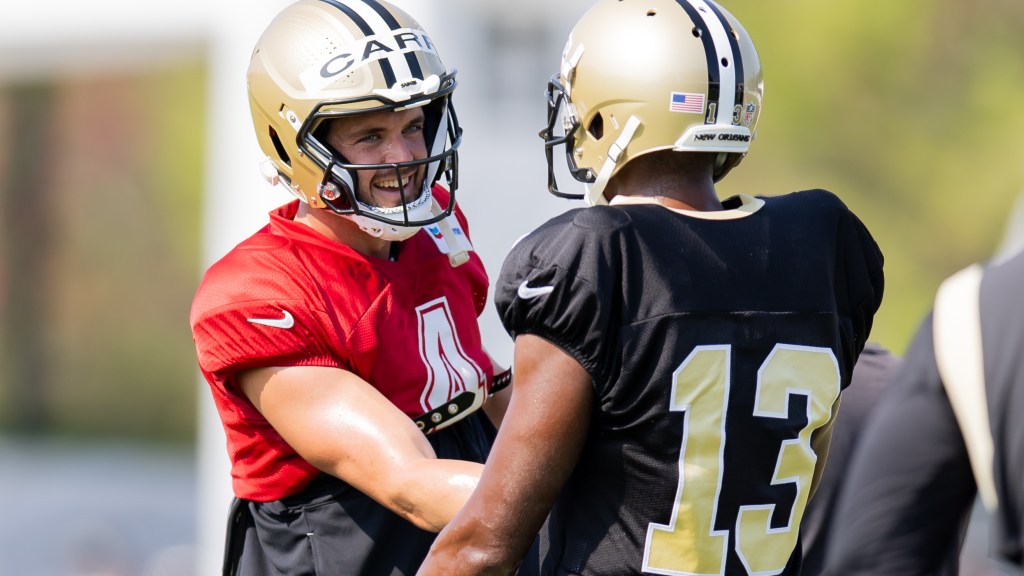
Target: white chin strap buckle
[(595, 191), (457, 246), (269, 171)]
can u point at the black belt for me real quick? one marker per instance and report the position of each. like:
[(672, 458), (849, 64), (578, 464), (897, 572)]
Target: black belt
[(429, 422)]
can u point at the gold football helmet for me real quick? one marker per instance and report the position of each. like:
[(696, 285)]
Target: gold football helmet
[(642, 76), (325, 59)]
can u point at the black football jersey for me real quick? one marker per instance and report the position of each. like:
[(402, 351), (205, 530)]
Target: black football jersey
[(718, 344)]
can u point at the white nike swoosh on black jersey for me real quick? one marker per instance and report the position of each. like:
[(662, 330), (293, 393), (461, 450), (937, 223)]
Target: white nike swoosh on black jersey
[(527, 292)]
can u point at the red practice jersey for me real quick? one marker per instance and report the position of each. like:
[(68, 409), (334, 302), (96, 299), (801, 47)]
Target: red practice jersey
[(288, 296)]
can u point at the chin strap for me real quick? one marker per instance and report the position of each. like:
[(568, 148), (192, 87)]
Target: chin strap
[(450, 240), (595, 190)]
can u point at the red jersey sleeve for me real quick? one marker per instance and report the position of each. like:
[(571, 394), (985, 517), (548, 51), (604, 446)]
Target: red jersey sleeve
[(246, 317)]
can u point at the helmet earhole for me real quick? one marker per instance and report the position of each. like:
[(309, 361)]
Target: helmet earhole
[(596, 127), (281, 153)]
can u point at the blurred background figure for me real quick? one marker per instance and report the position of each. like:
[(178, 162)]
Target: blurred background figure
[(115, 118), (927, 453), (947, 431), (875, 368)]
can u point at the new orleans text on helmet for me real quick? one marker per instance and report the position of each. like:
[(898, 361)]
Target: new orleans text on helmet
[(723, 137)]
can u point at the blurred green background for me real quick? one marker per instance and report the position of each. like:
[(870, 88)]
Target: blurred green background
[(911, 112), (100, 191), (908, 110)]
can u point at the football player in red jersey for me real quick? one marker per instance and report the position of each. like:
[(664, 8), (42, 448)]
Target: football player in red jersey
[(678, 358), (340, 342)]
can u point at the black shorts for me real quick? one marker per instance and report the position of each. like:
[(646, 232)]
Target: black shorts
[(332, 528)]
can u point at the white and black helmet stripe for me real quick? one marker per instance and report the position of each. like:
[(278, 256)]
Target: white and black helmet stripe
[(374, 19), (392, 22), (724, 60), (737, 56)]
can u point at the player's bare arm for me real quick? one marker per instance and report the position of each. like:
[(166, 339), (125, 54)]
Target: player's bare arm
[(497, 403), (345, 427), (536, 450)]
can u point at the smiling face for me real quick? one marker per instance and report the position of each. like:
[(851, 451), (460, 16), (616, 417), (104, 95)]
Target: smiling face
[(383, 137)]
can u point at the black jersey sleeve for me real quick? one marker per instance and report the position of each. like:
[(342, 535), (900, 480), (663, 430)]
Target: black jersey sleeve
[(861, 265), (560, 283), (858, 280)]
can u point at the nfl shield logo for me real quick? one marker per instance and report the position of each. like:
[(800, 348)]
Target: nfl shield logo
[(749, 116)]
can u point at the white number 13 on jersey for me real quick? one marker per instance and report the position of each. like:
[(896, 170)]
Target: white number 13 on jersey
[(690, 544)]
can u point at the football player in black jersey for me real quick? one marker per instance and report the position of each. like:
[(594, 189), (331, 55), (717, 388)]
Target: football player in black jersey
[(930, 451), (678, 358)]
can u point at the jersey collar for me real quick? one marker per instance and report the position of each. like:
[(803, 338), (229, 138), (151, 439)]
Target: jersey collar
[(738, 206)]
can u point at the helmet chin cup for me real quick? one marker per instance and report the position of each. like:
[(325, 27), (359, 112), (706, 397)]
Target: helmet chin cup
[(394, 224), (378, 229)]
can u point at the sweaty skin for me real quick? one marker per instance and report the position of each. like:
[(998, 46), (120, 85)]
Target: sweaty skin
[(552, 398), (345, 427)]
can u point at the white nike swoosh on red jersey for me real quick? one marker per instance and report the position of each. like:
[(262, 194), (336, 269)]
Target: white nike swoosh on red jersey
[(285, 322)]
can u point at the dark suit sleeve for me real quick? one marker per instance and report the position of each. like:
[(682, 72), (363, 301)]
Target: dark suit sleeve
[(910, 487), (875, 368)]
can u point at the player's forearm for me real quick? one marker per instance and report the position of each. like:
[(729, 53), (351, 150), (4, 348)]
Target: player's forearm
[(494, 530), (430, 492), (473, 549)]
